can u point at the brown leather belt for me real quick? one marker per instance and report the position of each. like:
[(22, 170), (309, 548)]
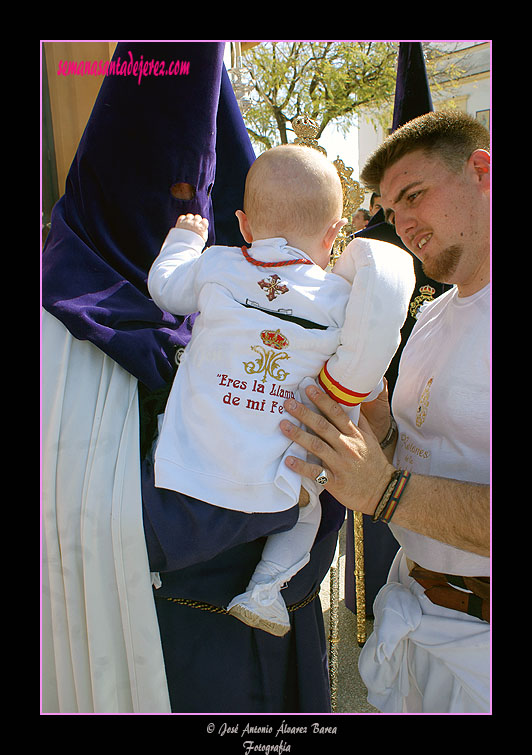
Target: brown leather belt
[(441, 590)]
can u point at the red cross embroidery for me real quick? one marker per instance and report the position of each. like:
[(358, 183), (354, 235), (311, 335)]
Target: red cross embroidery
[(272, 287)]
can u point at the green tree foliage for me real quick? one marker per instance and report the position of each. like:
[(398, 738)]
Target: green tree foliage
[(328, 81)]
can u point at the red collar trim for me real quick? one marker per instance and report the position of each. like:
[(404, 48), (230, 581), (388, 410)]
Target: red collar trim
[(300, 261)]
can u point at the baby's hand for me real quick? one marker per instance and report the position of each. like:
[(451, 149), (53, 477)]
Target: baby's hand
[(194, 223)]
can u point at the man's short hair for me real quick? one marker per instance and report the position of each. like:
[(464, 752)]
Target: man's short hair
[(450, 135)]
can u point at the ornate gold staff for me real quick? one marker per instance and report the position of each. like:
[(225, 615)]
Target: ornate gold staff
[(360, 577), (306, 130), (353, 198), (334, 601)]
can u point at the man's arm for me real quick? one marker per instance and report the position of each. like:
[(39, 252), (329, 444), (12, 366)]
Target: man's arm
[(454, 512)]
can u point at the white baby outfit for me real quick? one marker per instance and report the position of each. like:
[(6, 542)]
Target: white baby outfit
[(262, 329)]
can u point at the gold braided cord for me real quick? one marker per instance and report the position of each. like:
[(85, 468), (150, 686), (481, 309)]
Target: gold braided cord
[(216, 609), (194, 604)]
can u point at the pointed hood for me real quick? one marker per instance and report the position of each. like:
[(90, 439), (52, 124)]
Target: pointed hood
[(143, 137)]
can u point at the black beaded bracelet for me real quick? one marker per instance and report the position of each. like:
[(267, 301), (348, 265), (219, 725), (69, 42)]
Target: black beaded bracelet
[(391, 496), (390, 435)]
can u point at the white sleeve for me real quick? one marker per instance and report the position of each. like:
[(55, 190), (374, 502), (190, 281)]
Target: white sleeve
[(383, 280), (173, 277)]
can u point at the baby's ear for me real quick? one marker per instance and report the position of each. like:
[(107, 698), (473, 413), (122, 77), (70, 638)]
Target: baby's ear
[(332, 232), (244, 226)]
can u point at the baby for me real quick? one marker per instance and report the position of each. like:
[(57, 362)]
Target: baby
[(270, 316)]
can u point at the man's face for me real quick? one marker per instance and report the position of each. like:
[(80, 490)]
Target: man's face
[(375, 207), (439, 215), (359, 221)]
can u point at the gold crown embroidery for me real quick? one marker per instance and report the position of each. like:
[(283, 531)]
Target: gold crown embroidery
[(426, 294), (268, 361)]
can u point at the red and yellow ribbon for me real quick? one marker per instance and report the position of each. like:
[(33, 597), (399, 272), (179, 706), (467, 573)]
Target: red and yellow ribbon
[(338, 392)]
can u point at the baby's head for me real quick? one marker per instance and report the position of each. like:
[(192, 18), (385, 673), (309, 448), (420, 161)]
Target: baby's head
[(294, 192)]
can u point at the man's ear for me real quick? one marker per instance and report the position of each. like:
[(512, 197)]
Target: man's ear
[(480, 162), (244, 226)]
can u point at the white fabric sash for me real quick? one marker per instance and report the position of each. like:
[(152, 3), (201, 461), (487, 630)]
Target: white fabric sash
[(422, 657), (101, 649)]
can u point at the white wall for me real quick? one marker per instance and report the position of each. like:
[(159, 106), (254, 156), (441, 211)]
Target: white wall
[(472, 96)]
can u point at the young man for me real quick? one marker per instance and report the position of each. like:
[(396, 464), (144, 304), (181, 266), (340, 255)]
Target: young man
[(430, 648), (361, 219), (374, 204)]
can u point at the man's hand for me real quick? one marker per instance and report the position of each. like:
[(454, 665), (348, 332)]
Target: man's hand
[(194, 223), (357, 468)]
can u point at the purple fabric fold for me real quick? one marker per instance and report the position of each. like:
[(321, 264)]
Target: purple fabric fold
[(118, 206)]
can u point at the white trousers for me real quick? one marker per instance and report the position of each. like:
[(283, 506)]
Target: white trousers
[(101, 649), (289, 551)]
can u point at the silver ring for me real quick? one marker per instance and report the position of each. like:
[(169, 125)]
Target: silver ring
[(322, 478)]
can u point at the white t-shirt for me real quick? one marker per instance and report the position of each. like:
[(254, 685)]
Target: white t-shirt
[(441, 404)]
